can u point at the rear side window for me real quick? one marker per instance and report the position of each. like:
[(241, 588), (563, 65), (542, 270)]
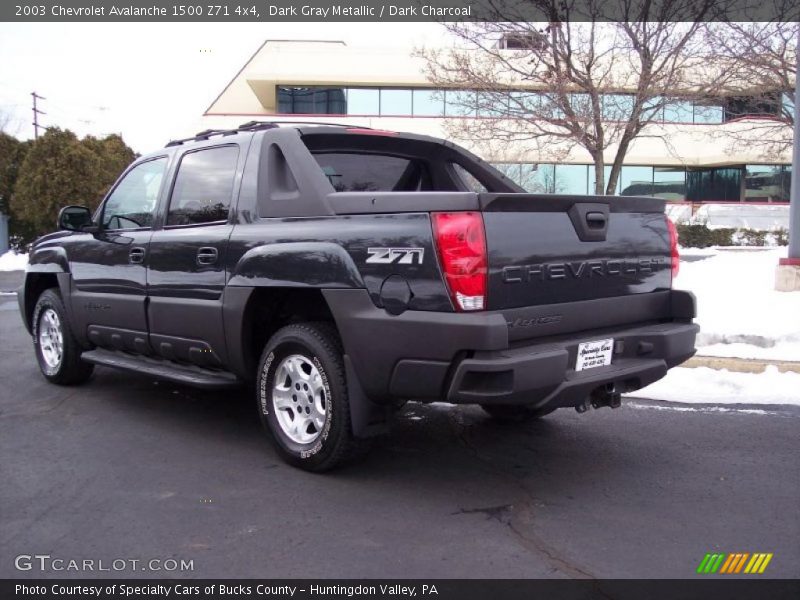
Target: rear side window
[(468, 179), (354, 172), (203, 186)]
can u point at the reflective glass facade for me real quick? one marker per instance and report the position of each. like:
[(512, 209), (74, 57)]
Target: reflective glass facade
[(750, 183), (419, 102), (753, 183)]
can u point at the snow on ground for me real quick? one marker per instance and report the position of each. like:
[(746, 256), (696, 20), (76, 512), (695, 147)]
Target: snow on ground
[(739, 312), (702, 385), (11, 261)]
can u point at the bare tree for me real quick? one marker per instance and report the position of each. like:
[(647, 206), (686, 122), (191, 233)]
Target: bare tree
[(760, 60), (576, 81)]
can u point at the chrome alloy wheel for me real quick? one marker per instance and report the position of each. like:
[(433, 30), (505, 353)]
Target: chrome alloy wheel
[(51, 338), (299, 399)]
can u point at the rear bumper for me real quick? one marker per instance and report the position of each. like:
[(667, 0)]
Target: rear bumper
[(544, 374), (524, 356)]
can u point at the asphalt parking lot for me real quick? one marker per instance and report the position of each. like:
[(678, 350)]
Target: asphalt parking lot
[(125, 467)]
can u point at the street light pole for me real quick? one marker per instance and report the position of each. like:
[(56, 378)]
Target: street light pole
[(794, 196), (787, 277)]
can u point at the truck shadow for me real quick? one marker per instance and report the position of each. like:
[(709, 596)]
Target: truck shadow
[(426, 443)]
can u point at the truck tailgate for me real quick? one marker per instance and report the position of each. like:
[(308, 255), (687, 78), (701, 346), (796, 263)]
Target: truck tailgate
[(548, 249)]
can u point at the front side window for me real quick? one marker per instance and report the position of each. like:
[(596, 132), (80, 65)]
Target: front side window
[(132, 204), (203, 186)]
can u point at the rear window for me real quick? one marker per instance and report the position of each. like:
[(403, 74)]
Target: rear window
[(354, 172)]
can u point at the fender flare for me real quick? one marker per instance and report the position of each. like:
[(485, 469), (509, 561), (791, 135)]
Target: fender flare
[(48, 260), (297, 264)]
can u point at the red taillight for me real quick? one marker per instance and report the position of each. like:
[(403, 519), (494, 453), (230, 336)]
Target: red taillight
[(461, 243), (673, 247)]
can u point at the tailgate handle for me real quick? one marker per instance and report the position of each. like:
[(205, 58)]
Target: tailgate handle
[(596, 220), (590, 220)]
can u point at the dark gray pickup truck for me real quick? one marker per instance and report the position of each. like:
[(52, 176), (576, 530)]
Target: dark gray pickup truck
[(342, 272)]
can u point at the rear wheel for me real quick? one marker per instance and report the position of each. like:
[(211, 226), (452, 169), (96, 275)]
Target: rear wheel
[(302, 397), (57, 350), (512, 413)]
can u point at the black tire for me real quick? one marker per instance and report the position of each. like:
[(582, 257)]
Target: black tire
[(319, 346), (70, 369), (513, 413)]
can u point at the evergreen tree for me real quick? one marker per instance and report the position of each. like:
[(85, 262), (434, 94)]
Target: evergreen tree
[(59, 169)]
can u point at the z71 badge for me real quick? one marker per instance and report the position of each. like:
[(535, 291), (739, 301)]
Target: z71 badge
[(399, 256)]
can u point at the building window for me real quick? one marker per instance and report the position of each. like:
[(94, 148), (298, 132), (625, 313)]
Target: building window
[(593, 178), (311, 101), (653, 109), (581, 105), (324, 100), (721, 184), (635, 181), (492, 104), (428, 103), (678, 111), (522, 41), (708, 113), (521, 103), (572, 179), (460, 103), (669, 183), (767, 105), (767, 183), (395, 102), (510, 170), (617, 107), (363, 101), (539, 178)]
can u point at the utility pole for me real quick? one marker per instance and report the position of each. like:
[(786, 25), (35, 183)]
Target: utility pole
[(36, 113), (787, 278)]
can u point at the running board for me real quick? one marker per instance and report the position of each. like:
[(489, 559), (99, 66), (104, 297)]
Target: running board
[(163, 369)]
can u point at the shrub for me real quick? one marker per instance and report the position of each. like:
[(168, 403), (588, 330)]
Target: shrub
[(700, 236)]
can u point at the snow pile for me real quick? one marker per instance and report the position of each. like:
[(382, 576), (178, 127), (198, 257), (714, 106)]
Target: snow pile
[(11, 261), (709, 386), (765, 217), (739, 312)]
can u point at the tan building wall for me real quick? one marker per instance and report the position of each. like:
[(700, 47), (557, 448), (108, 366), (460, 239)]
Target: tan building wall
[(252, 95)]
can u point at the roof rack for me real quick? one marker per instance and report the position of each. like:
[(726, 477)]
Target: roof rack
[(255, 126)]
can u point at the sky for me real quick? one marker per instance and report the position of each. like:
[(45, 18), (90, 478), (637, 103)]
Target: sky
[(148, 82)]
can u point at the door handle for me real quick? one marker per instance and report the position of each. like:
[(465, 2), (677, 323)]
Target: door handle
[(136, 255), (207, 255), (595, 220)]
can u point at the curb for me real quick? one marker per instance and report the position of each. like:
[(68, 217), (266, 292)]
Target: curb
[(741, 365)]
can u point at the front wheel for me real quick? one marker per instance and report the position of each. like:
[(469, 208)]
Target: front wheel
[(302, 397), (57, 350)]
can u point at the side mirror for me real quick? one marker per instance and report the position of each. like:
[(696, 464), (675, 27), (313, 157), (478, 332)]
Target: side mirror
[(74, 218)]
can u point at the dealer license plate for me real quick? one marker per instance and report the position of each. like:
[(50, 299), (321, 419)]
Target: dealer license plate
[(594, 354)]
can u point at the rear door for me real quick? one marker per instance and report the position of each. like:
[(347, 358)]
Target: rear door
[(186, 270)]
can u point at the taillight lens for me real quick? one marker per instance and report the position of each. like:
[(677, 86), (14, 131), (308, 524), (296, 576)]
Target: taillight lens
[(673, 247), (461, 243)]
